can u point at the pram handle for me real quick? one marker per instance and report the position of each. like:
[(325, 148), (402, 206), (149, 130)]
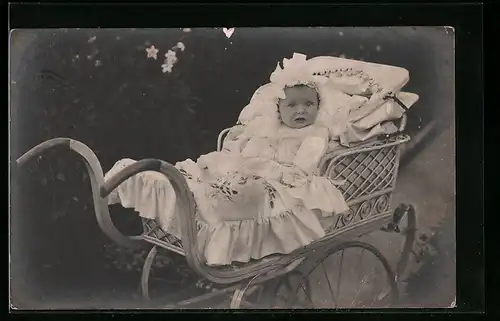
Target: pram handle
[(404, 118), (220, 138), (402, 123), (96, 177)]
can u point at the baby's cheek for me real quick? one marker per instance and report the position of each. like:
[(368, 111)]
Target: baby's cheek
[(314, 112), (286, 117)]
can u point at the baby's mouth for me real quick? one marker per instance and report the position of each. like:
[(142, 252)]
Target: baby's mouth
[(300, 119)]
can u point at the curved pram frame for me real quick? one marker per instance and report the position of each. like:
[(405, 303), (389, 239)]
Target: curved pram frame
[(370, 171)]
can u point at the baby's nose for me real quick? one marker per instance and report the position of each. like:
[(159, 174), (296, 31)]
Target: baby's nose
[(301, 109)]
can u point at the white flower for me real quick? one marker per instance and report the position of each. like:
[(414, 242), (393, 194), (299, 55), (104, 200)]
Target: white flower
[(171, 58), (181, 46), (170, 53), (167, 67), (186, 30), (378, 48), (92, 39), (152, 52)]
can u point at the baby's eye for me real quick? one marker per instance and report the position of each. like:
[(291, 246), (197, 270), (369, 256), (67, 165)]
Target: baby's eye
[(291, 105), (309, 103)]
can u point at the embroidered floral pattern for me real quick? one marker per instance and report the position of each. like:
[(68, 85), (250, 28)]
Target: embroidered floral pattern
[(222, 187), (186, 174), (271, 192), (349, 72)]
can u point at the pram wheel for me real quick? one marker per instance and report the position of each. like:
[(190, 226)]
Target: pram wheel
[(350, 275)]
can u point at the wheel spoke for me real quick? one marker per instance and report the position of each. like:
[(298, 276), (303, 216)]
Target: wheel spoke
[(339, 278), (329, 284), (359, 286), (363, 282), (308, 295), (302, 285), (375, 298)]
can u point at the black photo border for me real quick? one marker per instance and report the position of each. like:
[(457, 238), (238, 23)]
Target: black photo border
[(465, 19)]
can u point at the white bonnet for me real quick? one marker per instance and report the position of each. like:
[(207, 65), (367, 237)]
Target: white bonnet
[(262, 113)]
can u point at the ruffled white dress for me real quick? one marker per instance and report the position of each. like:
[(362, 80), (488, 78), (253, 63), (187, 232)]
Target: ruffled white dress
[(255, 198)]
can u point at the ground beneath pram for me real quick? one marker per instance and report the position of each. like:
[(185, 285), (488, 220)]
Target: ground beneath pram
[(432, 286)]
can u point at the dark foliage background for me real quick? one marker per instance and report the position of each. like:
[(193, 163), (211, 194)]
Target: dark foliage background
[(104, 92)]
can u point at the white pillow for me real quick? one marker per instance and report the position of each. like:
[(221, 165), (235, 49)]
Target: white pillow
[(387, 110), (335, 107), (351, 85), (262, 103), (355, 134)]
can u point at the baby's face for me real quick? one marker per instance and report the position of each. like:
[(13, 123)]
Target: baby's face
[(300, 106)]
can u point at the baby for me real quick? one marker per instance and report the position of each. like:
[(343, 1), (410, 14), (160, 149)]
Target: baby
[(260, 195), (300, 106), (297, 110)]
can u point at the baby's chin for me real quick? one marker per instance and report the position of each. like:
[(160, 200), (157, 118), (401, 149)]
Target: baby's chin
[(298, 124)]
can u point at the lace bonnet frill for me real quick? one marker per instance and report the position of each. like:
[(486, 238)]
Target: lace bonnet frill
[(340, 90)]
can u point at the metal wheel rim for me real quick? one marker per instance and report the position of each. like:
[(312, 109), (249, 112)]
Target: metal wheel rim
[(391, 291)]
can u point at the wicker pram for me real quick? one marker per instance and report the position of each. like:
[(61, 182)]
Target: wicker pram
[(370, 171)]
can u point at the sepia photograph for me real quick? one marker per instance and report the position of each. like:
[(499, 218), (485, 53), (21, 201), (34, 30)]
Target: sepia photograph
[(232, 168)]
